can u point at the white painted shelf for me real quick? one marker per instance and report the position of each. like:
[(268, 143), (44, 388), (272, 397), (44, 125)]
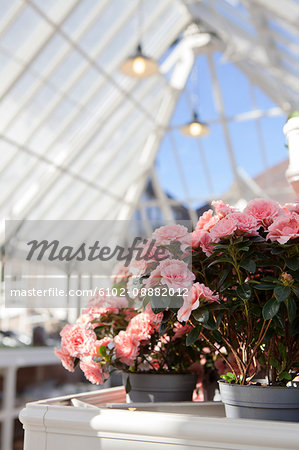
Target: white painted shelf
[(107, 423), (10, 361)]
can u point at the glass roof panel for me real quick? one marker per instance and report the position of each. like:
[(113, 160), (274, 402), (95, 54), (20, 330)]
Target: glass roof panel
[(76, 109)]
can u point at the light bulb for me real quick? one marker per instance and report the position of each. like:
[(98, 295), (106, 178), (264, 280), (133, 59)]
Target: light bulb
[(139, 65), (195, 129)]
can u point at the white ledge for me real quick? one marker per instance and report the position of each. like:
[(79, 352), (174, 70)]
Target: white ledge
[(146, 426)]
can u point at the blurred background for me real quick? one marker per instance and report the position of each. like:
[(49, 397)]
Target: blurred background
[(136, 110)]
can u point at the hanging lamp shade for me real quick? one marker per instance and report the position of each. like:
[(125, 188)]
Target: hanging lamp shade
[(195, 128), (139, 65)]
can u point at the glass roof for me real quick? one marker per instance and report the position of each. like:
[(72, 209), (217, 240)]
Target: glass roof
[(74, 128)]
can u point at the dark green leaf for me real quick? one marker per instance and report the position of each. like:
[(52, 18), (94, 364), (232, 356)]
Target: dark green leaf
[(102, 350), (285, 376), (274, 363), (244, 291), (223, 277), (271, 308), (294, 327), (175, 302), (229, 377), (98, 329), (263, 286), (291, 307), (159, 303), (292, 263), (220, 260), (282, 293), (193, 335), (217, 336), (128, 385), (249, 265), (296, 290), (201, 316), (244, 249), (163, 327), (211, 324), (277, 250), (295, 275)]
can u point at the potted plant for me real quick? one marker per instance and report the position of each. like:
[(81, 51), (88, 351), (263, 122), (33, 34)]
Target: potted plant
[(138, 331), (247, 277), (244, 303)]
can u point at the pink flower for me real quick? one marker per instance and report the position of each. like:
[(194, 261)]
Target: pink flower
[(104, 341), (176, 275), (246, 224), (92, 371), (202, 239), (155, 318), (155, 276), (126, 348), (191, 301), (207, 220), (222, 209), (106, 304), (284, 228), (180, 330), (78, 340), (140, 327), (66, 359), (137, 268), (120, 273), (290, 208), (85, 318), (224, 228), (203, 292), (265, 211), (169, 233)]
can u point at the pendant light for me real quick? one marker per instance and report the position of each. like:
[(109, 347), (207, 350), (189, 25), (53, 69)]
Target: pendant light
[(195, 128), (139, 65)]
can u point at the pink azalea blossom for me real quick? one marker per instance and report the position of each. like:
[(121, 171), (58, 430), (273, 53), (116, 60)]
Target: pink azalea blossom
[(265, 211), (180, 330), (191, 301), (106, 304), (222, 209), (66, 359), (169, 233), (140, 327), (284, 228), (291, 208), (155, 276), (138, 267), (246, 224), (104, 341), (155, 318), (207, 221), (78, 340), (126, 348), (175, 274), (225, 227), (202, 239), (92, 371), (120, 273), (203, 292)]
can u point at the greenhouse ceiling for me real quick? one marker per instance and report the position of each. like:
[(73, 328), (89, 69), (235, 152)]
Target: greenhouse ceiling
[(74, 127)]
